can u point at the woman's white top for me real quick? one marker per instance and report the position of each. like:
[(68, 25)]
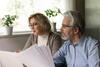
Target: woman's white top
[(42, 40)]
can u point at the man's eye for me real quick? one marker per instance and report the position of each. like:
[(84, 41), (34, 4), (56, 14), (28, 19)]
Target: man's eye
[(66, 25)]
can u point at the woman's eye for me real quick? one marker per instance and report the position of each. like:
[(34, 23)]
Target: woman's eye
[(36, 24)]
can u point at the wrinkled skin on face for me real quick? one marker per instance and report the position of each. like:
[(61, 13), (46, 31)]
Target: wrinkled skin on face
[(67, 28)]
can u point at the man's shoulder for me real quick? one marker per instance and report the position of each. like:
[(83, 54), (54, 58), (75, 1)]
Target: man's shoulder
[(66, 43), (90, 39)]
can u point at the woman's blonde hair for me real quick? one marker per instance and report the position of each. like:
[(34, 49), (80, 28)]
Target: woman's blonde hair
[(42, 20)]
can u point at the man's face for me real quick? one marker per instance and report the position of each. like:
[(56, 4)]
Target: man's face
[(67, 28)]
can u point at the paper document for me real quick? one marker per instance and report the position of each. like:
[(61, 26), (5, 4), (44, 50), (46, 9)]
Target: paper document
[(35, 56)]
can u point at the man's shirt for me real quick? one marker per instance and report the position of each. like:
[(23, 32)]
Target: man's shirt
[(83, 54)]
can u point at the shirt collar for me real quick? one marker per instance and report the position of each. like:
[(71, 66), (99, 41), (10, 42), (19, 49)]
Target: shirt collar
[(81, 40)]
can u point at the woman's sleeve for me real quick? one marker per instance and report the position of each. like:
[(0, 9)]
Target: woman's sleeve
[(57, 43), (28, 42)]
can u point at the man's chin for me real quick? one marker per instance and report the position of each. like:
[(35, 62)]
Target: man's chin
[(64, 37)]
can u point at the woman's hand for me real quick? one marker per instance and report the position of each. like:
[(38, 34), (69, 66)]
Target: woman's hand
[(18, 51)]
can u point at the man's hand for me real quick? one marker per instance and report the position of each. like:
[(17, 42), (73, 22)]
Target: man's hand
[(24, 65)]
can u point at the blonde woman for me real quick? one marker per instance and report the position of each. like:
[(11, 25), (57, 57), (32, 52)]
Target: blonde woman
[(42, 34)]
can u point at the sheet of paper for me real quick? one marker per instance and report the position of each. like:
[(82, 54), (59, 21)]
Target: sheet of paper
[(8, 59), (35, 56)]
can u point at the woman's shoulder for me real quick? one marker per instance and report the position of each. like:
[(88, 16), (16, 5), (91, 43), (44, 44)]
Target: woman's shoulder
[(54, 34)]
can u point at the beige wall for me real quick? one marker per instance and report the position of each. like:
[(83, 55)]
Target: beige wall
[(13, 43), (92, 17), (90, 9)]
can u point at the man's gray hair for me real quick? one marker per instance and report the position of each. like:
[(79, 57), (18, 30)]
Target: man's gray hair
[(77, 19)]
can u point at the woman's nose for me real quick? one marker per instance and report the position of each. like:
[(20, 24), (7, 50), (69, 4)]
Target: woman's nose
[(32, 27)]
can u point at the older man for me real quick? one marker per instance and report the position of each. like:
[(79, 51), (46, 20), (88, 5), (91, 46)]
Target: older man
[(79, 50)]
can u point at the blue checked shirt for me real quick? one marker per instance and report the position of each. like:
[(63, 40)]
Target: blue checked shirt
[(83, 54)]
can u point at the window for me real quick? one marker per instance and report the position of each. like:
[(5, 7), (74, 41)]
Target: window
[(24, 8)]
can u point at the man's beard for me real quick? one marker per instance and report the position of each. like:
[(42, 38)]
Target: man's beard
[(65, 37)]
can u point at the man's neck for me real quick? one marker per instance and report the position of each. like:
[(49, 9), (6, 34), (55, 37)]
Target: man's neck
[(76, 38)]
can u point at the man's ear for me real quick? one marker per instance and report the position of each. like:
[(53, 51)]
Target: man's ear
[(76, 30)]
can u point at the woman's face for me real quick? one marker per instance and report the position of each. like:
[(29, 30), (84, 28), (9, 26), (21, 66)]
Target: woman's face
[(36, 28)]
